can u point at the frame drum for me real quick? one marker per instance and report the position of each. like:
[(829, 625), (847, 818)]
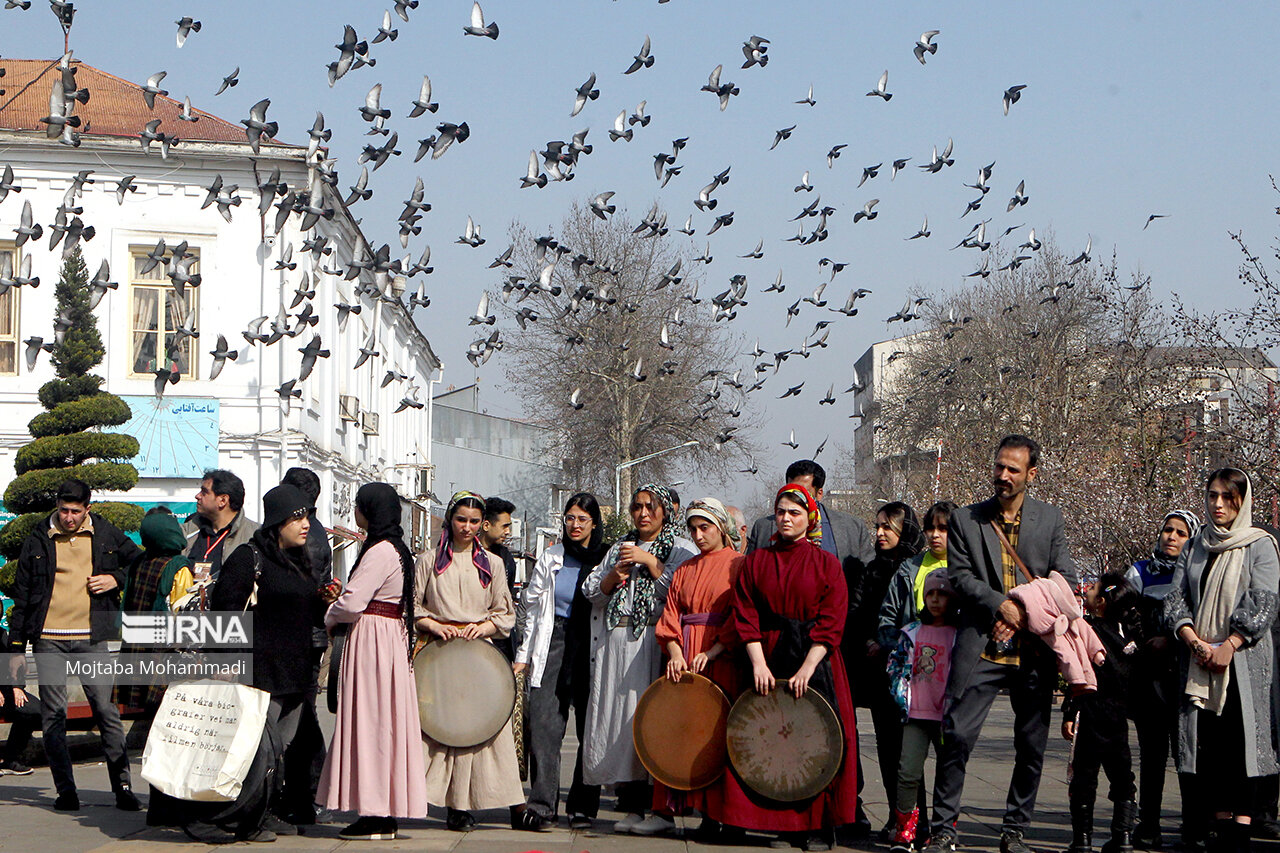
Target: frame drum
[(466, 691), (679, 731), (784, 748)]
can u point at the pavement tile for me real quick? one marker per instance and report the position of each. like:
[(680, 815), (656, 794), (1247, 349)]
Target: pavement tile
[(29, 824)]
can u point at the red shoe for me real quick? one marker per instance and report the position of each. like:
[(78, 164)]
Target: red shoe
[(904, 834)]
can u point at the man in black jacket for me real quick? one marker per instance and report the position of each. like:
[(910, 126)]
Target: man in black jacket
[(66, 598), (495, 530), (992, 651)]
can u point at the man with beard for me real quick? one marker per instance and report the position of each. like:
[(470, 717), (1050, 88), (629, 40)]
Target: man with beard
[(992, 651)]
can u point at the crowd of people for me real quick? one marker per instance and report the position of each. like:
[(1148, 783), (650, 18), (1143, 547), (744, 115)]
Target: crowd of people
[(923, 620)]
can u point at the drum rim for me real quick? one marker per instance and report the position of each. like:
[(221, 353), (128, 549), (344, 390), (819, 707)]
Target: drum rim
[(680, 785), (819, 701), (441, 644)]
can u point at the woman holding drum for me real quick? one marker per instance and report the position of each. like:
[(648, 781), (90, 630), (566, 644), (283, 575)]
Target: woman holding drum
[(627, 592), (789, 610), (461, 596), (555, 651), (696, 631)]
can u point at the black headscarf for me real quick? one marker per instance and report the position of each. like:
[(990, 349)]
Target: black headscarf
[(910, 537), (868, 588), (590, 554), (380, 506)]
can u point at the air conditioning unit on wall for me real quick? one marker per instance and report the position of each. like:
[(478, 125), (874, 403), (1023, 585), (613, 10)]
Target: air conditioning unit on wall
[(349, 408), (369, 423)]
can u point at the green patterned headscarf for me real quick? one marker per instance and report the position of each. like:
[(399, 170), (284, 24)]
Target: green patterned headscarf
[(643, 596)]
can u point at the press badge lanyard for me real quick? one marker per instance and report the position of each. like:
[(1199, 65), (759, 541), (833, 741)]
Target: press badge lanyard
[(214, 543)]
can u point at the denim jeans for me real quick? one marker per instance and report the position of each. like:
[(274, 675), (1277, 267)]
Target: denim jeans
[(53, 716)]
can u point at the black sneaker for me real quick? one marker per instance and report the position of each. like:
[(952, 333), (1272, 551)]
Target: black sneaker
[(371, 829), (530, 821), (14, 768), (67, 802), (278, 825), (818, 841), (207, 833), (1011, 841), (459, 821), (261, 836), (1148, 837), (126, 801), (945, 842), (579, 822)]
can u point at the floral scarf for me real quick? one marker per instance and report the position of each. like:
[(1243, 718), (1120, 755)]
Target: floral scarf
[(1161, 563), (444, 553), (800, 495), (643, 596)]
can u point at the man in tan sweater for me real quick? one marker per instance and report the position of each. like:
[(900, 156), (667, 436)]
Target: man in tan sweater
[(66, 604)]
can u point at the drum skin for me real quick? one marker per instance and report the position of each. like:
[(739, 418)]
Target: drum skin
[(466, 691), (784, 748), (679, 731)]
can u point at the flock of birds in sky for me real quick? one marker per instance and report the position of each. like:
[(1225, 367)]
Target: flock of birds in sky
[(582, 281)]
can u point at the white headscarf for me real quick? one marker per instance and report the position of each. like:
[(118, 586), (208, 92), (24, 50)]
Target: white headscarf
[(1213, 617)]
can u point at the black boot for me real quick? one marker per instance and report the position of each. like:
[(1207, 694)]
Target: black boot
[(1242, 835), (1123, 817), (1081, 829)]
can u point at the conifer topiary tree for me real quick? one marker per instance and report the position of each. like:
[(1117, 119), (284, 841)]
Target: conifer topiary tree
[(68, 441)]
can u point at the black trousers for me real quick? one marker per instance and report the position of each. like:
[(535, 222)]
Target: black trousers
[(549, 706), (1155, 718), (1222, 780), (1030, 685), (304, 759), (23, 722), (869, 688), (1102, 742)]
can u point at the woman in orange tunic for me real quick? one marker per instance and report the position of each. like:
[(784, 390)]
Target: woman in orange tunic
[(696, 632)]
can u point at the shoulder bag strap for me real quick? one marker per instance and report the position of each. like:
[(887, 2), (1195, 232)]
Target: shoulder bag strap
[(252, 601), (1004, 543)]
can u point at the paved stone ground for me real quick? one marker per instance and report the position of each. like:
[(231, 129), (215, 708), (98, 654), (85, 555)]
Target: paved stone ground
[(29, 824)]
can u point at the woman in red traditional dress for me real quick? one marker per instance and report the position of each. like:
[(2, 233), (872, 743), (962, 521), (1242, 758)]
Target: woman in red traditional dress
[(789, 610)]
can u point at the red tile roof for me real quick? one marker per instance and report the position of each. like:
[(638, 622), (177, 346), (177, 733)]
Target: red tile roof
[(115, 108)]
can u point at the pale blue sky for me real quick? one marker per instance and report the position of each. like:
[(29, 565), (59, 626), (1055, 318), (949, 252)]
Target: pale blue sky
[(1131, 109)]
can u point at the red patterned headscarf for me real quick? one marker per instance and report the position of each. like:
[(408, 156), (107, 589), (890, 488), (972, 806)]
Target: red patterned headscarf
[(799, 494)]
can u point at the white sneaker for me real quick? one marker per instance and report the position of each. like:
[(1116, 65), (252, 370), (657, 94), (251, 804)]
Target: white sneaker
[(654, 824), (628, 824)]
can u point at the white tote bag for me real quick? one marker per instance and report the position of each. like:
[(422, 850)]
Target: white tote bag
[(204, 738)]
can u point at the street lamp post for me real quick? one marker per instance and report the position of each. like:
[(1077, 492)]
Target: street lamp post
[(617, 470)]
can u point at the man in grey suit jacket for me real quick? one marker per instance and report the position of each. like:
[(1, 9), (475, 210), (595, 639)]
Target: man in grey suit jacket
[(991, 649)]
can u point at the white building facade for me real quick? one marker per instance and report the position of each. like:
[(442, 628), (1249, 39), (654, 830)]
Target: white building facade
[(344, 425)]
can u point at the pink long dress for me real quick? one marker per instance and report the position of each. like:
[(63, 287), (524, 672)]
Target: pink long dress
[(374, 766)]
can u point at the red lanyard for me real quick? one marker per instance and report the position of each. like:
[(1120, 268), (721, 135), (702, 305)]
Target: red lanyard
[(215, 543)]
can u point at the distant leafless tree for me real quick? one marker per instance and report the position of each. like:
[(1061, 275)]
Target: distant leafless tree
[(603, 328), (1068, 354), (1240, 423)]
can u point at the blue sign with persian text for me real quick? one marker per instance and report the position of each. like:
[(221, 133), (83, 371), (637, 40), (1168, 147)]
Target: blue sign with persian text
[(177, 436)]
